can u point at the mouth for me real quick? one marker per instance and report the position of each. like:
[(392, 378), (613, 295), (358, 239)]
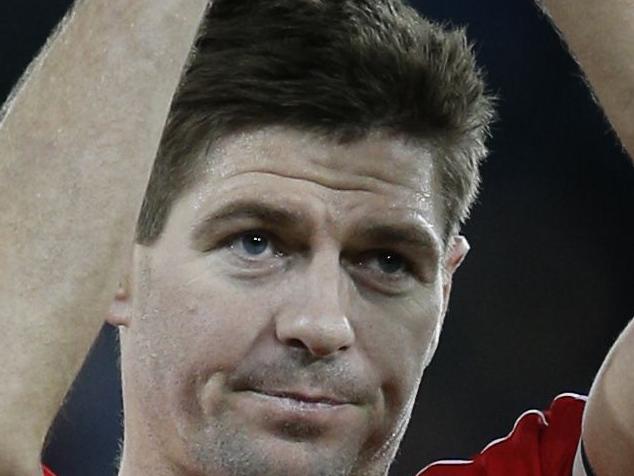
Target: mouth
[(297, 414), (303, 397)]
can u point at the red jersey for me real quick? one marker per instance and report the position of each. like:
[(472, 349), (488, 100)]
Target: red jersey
[(48, 472), (541, 444)]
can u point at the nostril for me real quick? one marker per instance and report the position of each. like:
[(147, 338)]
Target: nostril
[(319, 334), (297, 343)]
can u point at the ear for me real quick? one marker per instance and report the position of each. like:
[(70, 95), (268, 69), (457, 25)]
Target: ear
[(119, 314), (457, 250)]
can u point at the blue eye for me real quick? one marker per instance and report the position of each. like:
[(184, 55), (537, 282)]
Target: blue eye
[(254, 244), (390, 263)]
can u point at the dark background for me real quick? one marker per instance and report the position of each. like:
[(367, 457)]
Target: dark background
[(547, 286)]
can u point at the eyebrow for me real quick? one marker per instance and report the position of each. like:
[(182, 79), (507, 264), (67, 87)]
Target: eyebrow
[(408, 234), (372, 231), (247, 210)]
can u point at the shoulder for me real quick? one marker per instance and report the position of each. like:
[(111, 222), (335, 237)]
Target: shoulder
[(540, 443)]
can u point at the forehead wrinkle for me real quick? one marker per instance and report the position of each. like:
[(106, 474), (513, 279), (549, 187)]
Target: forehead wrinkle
[(334, 206), (367, 183)]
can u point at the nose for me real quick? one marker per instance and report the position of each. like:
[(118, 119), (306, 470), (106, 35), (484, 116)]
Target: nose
[(315, 319)]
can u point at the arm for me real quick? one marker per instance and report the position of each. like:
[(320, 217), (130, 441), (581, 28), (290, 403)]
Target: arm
[(77, 143), (608, 425), (600, 34)]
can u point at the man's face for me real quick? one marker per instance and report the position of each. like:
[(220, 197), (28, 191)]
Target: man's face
[(282, 322)]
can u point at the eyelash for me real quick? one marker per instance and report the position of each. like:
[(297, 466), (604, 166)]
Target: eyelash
[(359, 261), (377, 254), (383, 282), (271, 240)]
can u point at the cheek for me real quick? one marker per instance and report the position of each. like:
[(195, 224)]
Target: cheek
[(399, 339), (198, 326)]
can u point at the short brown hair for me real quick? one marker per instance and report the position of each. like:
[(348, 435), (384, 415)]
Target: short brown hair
[(340, 68)]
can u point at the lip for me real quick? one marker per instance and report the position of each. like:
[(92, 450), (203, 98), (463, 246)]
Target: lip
[(303, 397), (296, 414)]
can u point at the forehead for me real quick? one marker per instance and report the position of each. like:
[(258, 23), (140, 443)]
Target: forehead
[(379, 173), (377, 157)]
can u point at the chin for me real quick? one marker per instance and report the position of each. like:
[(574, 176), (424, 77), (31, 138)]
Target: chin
[(237, 453)]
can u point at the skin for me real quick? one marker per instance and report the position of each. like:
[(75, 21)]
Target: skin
[(72, 176), (600, 35), (213, 332), (63, 253)]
